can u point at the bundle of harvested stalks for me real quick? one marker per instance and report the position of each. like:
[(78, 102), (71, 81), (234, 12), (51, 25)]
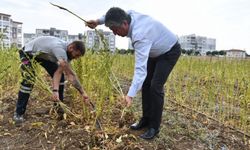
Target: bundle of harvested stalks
[(66, 109), (97, 122), (122, 120)]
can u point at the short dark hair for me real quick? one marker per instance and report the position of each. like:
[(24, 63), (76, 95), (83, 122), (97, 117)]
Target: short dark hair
[(115, 17), (79, 45)]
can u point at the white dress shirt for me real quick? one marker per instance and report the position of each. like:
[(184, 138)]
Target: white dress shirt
[(150, 38)]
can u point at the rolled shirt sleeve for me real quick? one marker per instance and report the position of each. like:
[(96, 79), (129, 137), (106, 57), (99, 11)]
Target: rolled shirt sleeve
[(60, 53), (141, 58), (101, 20)]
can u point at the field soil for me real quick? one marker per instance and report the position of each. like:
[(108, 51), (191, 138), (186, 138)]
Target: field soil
[(180, 129)]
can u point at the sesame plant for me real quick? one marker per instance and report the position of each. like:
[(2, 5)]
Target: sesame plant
[(101, 84), (97, 69), (215, 87), (8, 71)]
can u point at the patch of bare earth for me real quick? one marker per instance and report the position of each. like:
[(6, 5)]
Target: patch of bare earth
[(179, 130)]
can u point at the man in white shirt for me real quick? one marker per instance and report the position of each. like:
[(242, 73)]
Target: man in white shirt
[(156, 53), (54, 55)]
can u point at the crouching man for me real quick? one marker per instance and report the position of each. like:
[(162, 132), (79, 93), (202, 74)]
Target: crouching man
[(54, 55)]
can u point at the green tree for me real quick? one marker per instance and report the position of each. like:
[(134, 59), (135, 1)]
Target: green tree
[(208, 53), (215, 53), (183, 51), (222, 52)]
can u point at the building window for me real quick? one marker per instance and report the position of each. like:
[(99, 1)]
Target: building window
[(5, 18)]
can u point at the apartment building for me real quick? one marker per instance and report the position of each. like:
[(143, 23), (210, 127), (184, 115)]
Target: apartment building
[(62, 34), (200, 44), (10, 32), (236, 53), (72, 38), (28, 37), (94, 41)]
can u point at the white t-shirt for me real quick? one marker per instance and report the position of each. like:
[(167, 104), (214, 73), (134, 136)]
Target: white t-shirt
[(48, 47)]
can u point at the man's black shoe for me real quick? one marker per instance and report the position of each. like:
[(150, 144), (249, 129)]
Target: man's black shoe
[(137, 126), (150, 134)]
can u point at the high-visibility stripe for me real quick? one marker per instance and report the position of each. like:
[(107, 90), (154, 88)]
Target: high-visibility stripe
[(23, 58), (24, 91), (25, 87)]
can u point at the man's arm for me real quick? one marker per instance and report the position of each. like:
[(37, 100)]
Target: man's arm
[(65, 67), (56, 81), (142, 49)]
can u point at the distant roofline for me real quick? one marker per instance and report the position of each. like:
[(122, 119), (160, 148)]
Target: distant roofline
[(195, 35), (18, 22), (5, 14), (52, 28), (29, 33), (11, 19), (236, 50)]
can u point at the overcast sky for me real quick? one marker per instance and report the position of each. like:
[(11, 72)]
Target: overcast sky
[(228, 21)]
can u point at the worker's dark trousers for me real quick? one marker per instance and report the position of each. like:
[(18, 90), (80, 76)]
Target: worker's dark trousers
[(28, 78), (158, 70)]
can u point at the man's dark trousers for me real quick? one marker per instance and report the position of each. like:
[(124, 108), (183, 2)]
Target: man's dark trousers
[(28, 79), (158, 70)]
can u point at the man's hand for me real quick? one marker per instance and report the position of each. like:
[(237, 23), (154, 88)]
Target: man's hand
[(128, 100), (92, 23), (85, 98), (56, 96)]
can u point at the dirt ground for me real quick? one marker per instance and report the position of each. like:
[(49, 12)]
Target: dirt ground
[(180, 130)]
